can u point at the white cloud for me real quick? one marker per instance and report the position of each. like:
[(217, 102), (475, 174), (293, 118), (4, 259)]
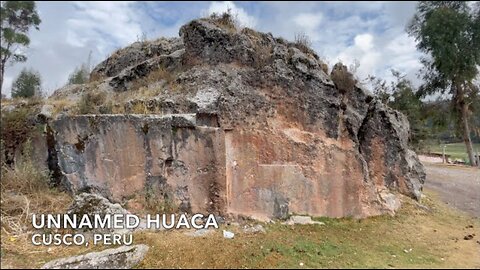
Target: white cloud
[(106, 23), (372, 33), (69, 32), (309, 22), (242, 16), (364, 42)]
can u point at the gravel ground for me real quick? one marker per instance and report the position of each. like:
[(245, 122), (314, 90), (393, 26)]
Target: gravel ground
[(458, 186)]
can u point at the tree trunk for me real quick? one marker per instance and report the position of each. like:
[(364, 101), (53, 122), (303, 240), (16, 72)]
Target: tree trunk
[(466, 134), (463, 108), (2, 71)]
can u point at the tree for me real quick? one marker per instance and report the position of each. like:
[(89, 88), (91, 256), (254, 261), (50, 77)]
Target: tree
[(16, 19), (404, 98), (380, 88), (81, 74), (449, 33), (27, 84)]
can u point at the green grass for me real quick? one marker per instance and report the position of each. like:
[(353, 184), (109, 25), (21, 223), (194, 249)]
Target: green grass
[(455, 150)]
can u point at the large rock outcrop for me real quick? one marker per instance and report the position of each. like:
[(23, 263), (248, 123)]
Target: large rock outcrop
[(248, 125)]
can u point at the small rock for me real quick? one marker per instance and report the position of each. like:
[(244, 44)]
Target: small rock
[(254, 229), (302, 220), (468, 237), (124, 257), (46, 112), (422, 207), (200, 233), (228, 235)]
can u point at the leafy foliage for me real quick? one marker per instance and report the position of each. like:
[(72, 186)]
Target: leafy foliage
[(449, 34), (80, 75), (17, 17), (27, 84)]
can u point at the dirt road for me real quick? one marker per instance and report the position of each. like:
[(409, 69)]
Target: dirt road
[(458, 186)]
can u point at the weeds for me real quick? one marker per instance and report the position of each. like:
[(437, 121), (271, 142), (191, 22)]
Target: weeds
[(226, 20), (90, 101), (25, 191), (17, 127), (303, 43)]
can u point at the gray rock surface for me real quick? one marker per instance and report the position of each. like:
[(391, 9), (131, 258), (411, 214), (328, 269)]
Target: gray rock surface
[(302, 220), (135, 54), (384, 144), (93, 204), (125, 257), (254, 229), (200, 233)]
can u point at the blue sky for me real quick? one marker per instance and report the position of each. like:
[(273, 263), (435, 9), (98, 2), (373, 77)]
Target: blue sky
[(373, 33)]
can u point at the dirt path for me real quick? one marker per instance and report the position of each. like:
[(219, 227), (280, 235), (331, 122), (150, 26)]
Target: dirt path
[(458, 186)]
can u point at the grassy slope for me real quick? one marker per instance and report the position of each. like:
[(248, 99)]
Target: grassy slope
[(456, 150), (435, 238)]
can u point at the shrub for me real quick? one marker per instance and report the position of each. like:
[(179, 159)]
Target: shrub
[(139, 108), (25, 177), (303, 43), (24, 191), (90, 102), (343, 79), (226, 20), (17, 127), (154, 76), (80, 75), (27, 84), (159, 204)]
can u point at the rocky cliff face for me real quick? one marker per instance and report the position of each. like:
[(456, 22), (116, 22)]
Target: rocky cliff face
[(244, 124)]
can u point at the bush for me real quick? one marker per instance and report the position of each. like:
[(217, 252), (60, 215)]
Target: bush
[(90, 102), (24, 191), (25, 177), (27, 84), (80, 75), (17, 127), (343, 79), (226, 20), (303, 43)]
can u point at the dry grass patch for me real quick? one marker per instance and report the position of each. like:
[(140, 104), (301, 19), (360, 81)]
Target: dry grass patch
[(343, 79), (61, 105), (25, 191), (226, 20), (415, 238)]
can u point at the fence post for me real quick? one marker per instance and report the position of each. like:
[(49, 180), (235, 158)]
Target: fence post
[(478, 159)]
